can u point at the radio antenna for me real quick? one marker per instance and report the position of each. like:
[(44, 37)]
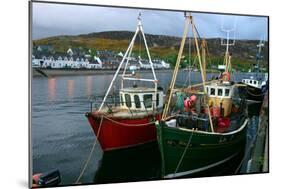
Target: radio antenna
[(228, 43), (260, 45)]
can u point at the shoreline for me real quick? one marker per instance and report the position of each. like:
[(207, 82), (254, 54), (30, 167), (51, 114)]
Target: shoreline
[(51, 72), (47, 72)]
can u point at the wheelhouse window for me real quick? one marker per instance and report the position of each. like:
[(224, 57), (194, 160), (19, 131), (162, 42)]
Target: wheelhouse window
[(157, 99), (128, 100), (226, 92), (250, 81), (147, 100), (137, 101), (213, 91), (255, 82), (219, 92)]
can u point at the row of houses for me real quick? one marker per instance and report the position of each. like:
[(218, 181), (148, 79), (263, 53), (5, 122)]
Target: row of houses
[(66, 62), (94, 63), (157, 64)]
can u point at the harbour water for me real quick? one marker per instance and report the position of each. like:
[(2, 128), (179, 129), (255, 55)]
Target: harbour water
[(62, 137)]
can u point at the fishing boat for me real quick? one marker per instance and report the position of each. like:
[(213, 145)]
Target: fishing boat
[(132, 121), (255, 86), (209, 130)]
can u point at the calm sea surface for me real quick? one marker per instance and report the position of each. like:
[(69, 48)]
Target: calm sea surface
[(61, 135)]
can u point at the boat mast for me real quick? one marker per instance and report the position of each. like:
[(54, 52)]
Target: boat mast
[(189, 21), (260, 45), (202, 74), (172, 84), (127, 57), (204, 46), (155, 81), (227, 57)]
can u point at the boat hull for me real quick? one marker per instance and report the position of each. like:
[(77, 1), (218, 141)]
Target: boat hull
[(122, 133), (205, 150), (251, 93)]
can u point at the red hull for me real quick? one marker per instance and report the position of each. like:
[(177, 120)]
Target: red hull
[(123, 133)]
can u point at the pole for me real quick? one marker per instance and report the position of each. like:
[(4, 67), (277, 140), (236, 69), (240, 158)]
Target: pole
[(204, 57), (202, 74), (116, 73), (152, 68), (186, 27), (124, 72)]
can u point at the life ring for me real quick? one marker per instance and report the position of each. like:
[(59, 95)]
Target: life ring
[(225, 76)]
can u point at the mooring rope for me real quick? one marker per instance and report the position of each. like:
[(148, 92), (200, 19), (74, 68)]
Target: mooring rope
[(184, 152), (91, 153)]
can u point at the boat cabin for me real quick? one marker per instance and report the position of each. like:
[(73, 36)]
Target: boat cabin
[(140, 98), (220, 97), (252, 82)]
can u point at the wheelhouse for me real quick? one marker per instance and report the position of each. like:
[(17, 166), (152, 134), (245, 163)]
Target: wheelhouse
[(252, 82), (220, 97), (140, 99), (219, 91)]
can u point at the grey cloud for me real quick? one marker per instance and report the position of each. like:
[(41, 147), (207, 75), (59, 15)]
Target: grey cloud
[(59, 19)]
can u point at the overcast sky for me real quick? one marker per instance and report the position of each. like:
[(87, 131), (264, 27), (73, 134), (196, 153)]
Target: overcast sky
[(58, 19)]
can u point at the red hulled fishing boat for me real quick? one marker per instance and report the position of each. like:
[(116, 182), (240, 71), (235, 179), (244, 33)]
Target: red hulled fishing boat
[(132, 121)]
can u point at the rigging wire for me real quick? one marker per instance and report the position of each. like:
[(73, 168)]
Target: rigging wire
[(189, 78)]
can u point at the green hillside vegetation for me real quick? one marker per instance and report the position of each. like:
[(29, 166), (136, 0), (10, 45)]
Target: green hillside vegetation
[(167, 51)]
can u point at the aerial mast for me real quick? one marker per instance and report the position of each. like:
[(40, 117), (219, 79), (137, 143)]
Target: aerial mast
[(260, 45), (227, 57)]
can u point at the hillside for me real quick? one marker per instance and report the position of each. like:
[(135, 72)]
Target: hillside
[(165, 47)]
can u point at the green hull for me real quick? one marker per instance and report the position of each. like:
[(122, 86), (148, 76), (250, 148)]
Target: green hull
[(186, 152)]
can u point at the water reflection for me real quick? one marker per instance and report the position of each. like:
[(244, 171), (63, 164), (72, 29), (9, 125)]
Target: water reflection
[(70, 87), (140, 163), (52, 89), (89, 85)]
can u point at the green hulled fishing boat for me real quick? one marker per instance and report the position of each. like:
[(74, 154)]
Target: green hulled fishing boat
[(186, 152), (209, 130)]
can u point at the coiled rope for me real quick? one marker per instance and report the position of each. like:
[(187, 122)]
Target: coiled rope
[(90, 155)]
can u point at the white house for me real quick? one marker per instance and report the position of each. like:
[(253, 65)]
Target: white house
[(144, 65), (60, 62), (69, 52), (165, 65), (98, 61), (35, 62), (120, 54)]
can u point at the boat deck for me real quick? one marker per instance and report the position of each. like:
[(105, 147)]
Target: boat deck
[(202, 123), (118, 112)]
